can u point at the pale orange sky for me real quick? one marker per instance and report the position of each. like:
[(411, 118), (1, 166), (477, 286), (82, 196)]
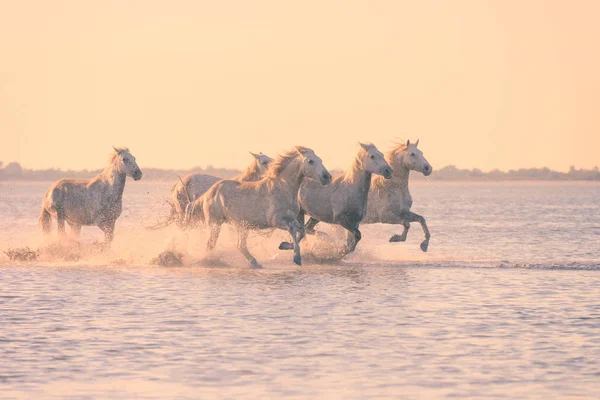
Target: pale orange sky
[(487, 84)]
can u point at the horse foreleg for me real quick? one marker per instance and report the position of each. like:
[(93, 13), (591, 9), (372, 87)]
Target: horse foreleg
[(402, 237), (295, 229), (412, 217), (243, 247), (60, 223), (396, 219), (354, 234), (109, 233), (354, 237), (302, 233)]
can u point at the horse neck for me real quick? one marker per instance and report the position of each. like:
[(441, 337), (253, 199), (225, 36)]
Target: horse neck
[(252, 173), (358, 178), (292, 176), (115, 180), (400, 173)]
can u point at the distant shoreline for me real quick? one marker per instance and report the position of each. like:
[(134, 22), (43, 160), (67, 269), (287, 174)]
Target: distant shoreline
[(14, 172)]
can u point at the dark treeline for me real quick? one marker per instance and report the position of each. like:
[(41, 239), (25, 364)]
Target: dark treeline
[(523, 174), (14, 171)]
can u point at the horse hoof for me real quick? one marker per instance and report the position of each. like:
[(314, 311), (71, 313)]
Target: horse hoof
[(298, 260), (424, 245), (397, 238), (286, 246)]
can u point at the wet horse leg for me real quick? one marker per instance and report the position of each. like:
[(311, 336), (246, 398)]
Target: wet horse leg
[(243, 247), (60, 223), (215, 230), (296, 229), (354, 235), (302, 233), (396, 219), (412, 217), (310, 225), (108, 227), (402, 237)]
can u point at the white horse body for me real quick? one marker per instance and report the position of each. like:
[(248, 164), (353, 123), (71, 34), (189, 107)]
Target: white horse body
[(97, 201), (192, 186), (390, 201), (344, 201), (271, 202)]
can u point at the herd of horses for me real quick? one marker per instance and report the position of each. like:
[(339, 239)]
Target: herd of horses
[(272, 193)]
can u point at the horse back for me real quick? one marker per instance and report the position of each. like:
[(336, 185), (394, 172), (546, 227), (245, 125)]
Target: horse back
[(253, 204)]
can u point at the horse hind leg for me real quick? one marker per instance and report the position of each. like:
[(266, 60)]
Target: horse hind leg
[(243, 247), (60, 223), (215, 230)]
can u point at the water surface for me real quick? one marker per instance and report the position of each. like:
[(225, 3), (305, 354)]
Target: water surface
[(505, 304)]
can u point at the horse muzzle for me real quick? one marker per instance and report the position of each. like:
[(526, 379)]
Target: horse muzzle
[(387, 173), (326, 178), (137, 175), (427, 170)]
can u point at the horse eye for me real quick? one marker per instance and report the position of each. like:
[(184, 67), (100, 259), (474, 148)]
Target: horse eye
[(126, 161), (372, 156), (412, 154), (311, 162)]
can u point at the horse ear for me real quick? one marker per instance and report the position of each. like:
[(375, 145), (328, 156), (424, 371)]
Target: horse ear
[(115, 149), (254, 155), (417, 143), (408, 143), (364, 146)]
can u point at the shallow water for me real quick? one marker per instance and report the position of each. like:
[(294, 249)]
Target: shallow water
[(504, 304)]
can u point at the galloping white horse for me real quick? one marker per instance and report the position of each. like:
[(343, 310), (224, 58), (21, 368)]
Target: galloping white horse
[(271, 202), (192, 186), (390, 200), (344, 202), (97, 201)]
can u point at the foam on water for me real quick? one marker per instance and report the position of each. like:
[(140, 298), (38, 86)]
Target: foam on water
[(473, 225)]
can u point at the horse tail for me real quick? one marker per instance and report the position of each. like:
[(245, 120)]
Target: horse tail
[(45, 221), (194, 214)]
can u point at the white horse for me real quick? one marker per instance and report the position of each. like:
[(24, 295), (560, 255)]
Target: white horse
[(97, 201), (271, 202), (390, 200), (344, 202), (192, 186)]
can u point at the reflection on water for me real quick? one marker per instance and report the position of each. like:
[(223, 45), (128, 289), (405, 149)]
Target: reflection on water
[(386, 322), (336, 332)]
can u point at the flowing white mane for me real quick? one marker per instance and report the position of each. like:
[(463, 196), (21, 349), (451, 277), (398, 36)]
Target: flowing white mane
[(283, 160)]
